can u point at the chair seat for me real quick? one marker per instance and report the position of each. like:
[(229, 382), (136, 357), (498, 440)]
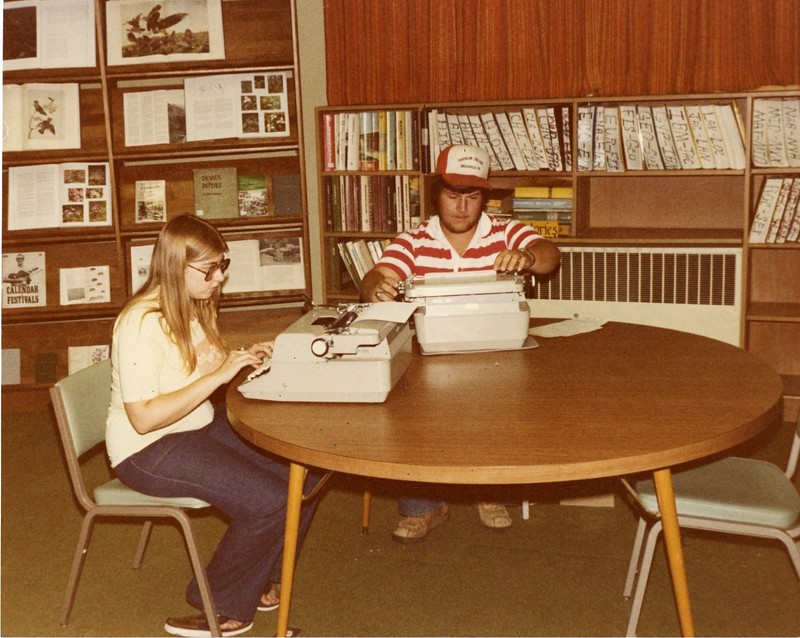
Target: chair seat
[(732, 489), (115, 492)]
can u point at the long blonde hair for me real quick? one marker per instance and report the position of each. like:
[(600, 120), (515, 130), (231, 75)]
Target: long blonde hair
[(185, 239)]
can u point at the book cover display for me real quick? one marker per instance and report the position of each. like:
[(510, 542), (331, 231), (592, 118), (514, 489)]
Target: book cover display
[(216, 192), (24, 280)]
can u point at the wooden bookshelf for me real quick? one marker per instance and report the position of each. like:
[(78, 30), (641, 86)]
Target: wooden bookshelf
[(649, 207), (260, 39)]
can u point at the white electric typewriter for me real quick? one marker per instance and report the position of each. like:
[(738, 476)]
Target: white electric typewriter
[(468, 311), (356, 353)]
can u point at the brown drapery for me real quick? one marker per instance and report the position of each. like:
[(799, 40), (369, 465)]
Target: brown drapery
[(398, 51)]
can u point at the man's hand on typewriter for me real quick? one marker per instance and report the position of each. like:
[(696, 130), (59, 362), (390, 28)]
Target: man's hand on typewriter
[(514, 260), (379, 284)]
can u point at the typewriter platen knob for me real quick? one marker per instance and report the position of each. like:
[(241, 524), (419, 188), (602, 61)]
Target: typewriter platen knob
[(320, 346)]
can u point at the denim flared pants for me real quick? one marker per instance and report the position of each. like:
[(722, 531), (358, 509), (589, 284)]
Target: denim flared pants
[(247, 485)]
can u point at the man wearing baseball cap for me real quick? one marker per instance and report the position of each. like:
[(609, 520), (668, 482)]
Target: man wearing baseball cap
[(459, 237)]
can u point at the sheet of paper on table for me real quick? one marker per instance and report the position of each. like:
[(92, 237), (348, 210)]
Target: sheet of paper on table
[(568, 327)]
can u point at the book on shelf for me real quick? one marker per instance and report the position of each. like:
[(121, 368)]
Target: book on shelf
[(154, 117), (791, 129), (215, 192), (382, 125), (59, 195), (631, 138), (565, 135), (467, 134), (651, 152), (46, 35), (141, 255), (613, 140), (758, 138), (368, 141), (664, 135), (682, 138), (563, 216), (287, 195), (329, 121), (781, 210), (41, 116), (482, 140), (732, 134), (264, 264), (548, 228), (496, 140), (391, 141), (454, 134), (792, 211), (549, 127), (150, 200), (535, 134), (585, 132), (80, 357), (698, 128), (510, 139), (24, 280), (360, 255), (794, 226), (238, 105), (541, 203), (84, 285), (142, 33), (599, 139), (715, 136), (559, 192), (11, 370), (45, 367), (253, 195), (765, 209)]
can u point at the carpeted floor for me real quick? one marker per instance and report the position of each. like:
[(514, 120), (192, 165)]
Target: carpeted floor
[(559, 574)]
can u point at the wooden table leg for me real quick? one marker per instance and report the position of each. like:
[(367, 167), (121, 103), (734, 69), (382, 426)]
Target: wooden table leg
[(293, 503), (672, 540)]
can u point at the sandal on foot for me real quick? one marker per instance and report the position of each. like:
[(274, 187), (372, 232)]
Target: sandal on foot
[(273, 594), (198, 626)]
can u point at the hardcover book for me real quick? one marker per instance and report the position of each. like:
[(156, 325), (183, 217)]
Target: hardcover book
[(151, 201), (216, 192)]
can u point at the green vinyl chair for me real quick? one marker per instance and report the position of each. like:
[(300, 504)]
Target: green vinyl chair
[(733, 495), (81, 403)]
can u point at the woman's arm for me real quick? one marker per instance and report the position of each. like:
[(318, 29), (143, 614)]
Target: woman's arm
[(163, 410)]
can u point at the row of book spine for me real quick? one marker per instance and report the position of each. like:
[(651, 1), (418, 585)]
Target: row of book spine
[(630, 137), (777, 214), (379, 140), (371, 203), (776, 132), (360, 255), (527, 139)]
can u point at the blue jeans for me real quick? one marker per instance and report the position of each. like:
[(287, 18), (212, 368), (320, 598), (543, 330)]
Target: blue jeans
[(247, 485)]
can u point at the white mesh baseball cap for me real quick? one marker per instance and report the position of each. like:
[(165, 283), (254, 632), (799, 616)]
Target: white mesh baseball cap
[(463, 165)]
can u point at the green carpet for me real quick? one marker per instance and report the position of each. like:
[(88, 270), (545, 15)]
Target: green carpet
[(559, 574)]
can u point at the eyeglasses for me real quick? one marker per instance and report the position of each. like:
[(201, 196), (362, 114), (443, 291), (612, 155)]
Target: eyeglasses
[(221, 265)]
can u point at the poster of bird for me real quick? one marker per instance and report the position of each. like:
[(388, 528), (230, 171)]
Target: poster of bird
[(167, 31)]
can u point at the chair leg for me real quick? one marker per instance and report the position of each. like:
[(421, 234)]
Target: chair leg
[(644, 575), (636, 554), (143, 539), (365, 512), (199, 572), (77, 567)]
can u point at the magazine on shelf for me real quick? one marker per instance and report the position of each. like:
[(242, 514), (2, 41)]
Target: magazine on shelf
[(44, 35), (240, 105), (151, 200), (86, 284), (80, 357), (40, 117), (266, 263), (24, 283), (141, 255), (154, 117), (59, 195), (168, 31)]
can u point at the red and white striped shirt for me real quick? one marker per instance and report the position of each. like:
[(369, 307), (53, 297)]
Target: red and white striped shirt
[(426, 249)]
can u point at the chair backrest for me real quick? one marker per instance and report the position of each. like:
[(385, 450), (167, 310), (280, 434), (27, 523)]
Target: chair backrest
[(794, 453), (81, 403)]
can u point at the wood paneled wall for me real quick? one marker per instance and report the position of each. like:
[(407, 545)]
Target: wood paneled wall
[(395, 51)]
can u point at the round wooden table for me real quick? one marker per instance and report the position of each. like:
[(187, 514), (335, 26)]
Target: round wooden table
[(622, 399)]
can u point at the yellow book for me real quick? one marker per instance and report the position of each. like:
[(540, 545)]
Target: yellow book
[(532, 191), (548, 228), (561, 192)]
